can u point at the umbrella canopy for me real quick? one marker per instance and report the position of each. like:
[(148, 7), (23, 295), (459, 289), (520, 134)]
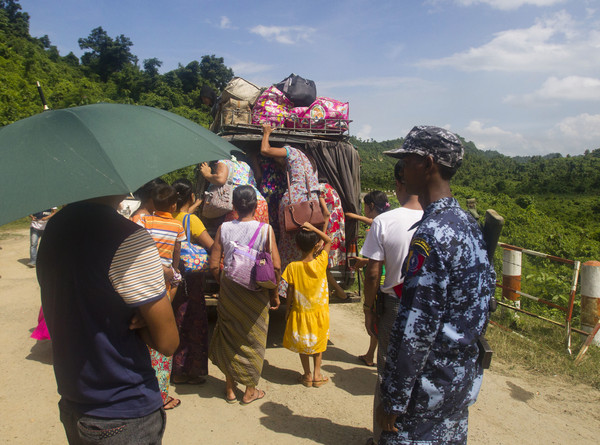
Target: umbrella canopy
[(68, 155)]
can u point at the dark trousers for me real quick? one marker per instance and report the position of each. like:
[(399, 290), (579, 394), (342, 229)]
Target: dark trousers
[(87, 430)]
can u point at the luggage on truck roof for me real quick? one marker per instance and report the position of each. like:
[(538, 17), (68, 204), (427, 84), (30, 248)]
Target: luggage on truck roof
[(321, 117)]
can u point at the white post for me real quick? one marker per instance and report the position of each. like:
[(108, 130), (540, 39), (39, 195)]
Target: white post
[(511, 275), (590, 297)]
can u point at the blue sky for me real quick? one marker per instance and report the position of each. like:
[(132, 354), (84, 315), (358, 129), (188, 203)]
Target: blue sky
[(518, 76)]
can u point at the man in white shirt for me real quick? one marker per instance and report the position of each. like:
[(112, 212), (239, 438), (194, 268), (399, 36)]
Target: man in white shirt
[(36, 229), (387, 242)]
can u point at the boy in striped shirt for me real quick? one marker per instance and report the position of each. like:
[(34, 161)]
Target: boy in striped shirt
[(166, 231)]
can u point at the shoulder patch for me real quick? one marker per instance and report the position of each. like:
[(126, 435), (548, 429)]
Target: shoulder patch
[(419, 251)]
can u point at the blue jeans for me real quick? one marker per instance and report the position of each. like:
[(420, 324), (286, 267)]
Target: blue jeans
[(87, 430), (34, 239)]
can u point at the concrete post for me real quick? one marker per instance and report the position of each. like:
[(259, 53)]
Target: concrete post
[(590, 297), (511, 275)]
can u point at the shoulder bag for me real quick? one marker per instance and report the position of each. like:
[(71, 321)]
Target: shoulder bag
[(265, 272), (294, 215), (194, 257), (241, 268), (219, 201)]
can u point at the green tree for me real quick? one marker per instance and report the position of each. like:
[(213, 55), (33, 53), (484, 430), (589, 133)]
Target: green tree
[(151, 66), (18, 22), (214, 70), (107, 56)]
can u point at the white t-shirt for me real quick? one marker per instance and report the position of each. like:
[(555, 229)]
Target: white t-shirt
[(388, 241), (38, 224)]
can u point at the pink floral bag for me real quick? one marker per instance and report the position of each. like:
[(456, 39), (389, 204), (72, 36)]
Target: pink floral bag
[(272, 108), (322, 113)]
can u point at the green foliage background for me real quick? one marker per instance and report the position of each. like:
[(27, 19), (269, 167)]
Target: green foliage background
[(107, 72)]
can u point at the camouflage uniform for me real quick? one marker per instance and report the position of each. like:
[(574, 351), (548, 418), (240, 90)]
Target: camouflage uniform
[(432, 374)]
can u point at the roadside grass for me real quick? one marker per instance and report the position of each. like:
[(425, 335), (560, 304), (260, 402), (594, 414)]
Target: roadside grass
[(7, 230), (541, 347), (536, 346)]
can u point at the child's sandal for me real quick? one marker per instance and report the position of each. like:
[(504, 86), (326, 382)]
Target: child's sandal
[(305, 381), (319, 383)]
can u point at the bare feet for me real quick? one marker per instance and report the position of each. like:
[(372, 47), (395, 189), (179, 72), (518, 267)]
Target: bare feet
[(366, 360)]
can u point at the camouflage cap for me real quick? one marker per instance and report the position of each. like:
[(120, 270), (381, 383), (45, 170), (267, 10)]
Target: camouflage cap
[(425, 140)]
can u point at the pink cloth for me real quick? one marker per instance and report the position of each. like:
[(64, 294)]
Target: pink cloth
[(41, 331)]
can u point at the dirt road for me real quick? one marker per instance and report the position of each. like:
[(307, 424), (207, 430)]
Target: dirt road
[(514, 407)]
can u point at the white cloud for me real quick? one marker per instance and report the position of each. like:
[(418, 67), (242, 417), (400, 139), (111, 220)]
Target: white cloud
[(507, 5), (376, 82), (493, 138), (572, 136), (584, 127), (570, 88), (246, 68), (225, 23), (288, 35), (556, 43), (365, 132)]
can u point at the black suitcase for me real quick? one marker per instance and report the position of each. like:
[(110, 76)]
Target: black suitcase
[(301, 92)]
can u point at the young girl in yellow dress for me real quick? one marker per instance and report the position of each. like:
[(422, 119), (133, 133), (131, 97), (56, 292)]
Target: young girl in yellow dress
[(307, 327)]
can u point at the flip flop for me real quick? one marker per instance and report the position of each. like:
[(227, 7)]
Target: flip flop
[(305, 382), (231, 401), (363, 358), (260, 395), (319, 383), (174, 403)]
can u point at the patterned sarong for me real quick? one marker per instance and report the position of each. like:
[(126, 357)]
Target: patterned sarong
[(239, 340)]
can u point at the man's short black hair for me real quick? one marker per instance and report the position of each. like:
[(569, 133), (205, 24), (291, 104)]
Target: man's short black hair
[(447, 172)]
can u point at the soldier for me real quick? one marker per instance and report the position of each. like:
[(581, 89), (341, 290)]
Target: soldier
[(432, 374)]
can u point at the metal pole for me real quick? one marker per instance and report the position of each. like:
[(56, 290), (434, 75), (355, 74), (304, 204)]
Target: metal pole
[(576, 268), (538, 254)]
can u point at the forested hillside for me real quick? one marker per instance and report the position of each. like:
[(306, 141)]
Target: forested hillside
[(107, 72), (551, 203)]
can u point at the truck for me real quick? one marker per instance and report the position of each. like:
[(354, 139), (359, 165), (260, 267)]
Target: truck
[(328, 143)]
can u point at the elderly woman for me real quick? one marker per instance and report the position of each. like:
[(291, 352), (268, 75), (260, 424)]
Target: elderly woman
[(240, 173), (239, 340), (301, 171), (190, 362)]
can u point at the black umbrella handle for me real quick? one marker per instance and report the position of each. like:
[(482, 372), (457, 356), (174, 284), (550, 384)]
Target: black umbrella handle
[(42, 97)]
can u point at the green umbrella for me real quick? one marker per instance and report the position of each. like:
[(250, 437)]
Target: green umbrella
[(68, 155)]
